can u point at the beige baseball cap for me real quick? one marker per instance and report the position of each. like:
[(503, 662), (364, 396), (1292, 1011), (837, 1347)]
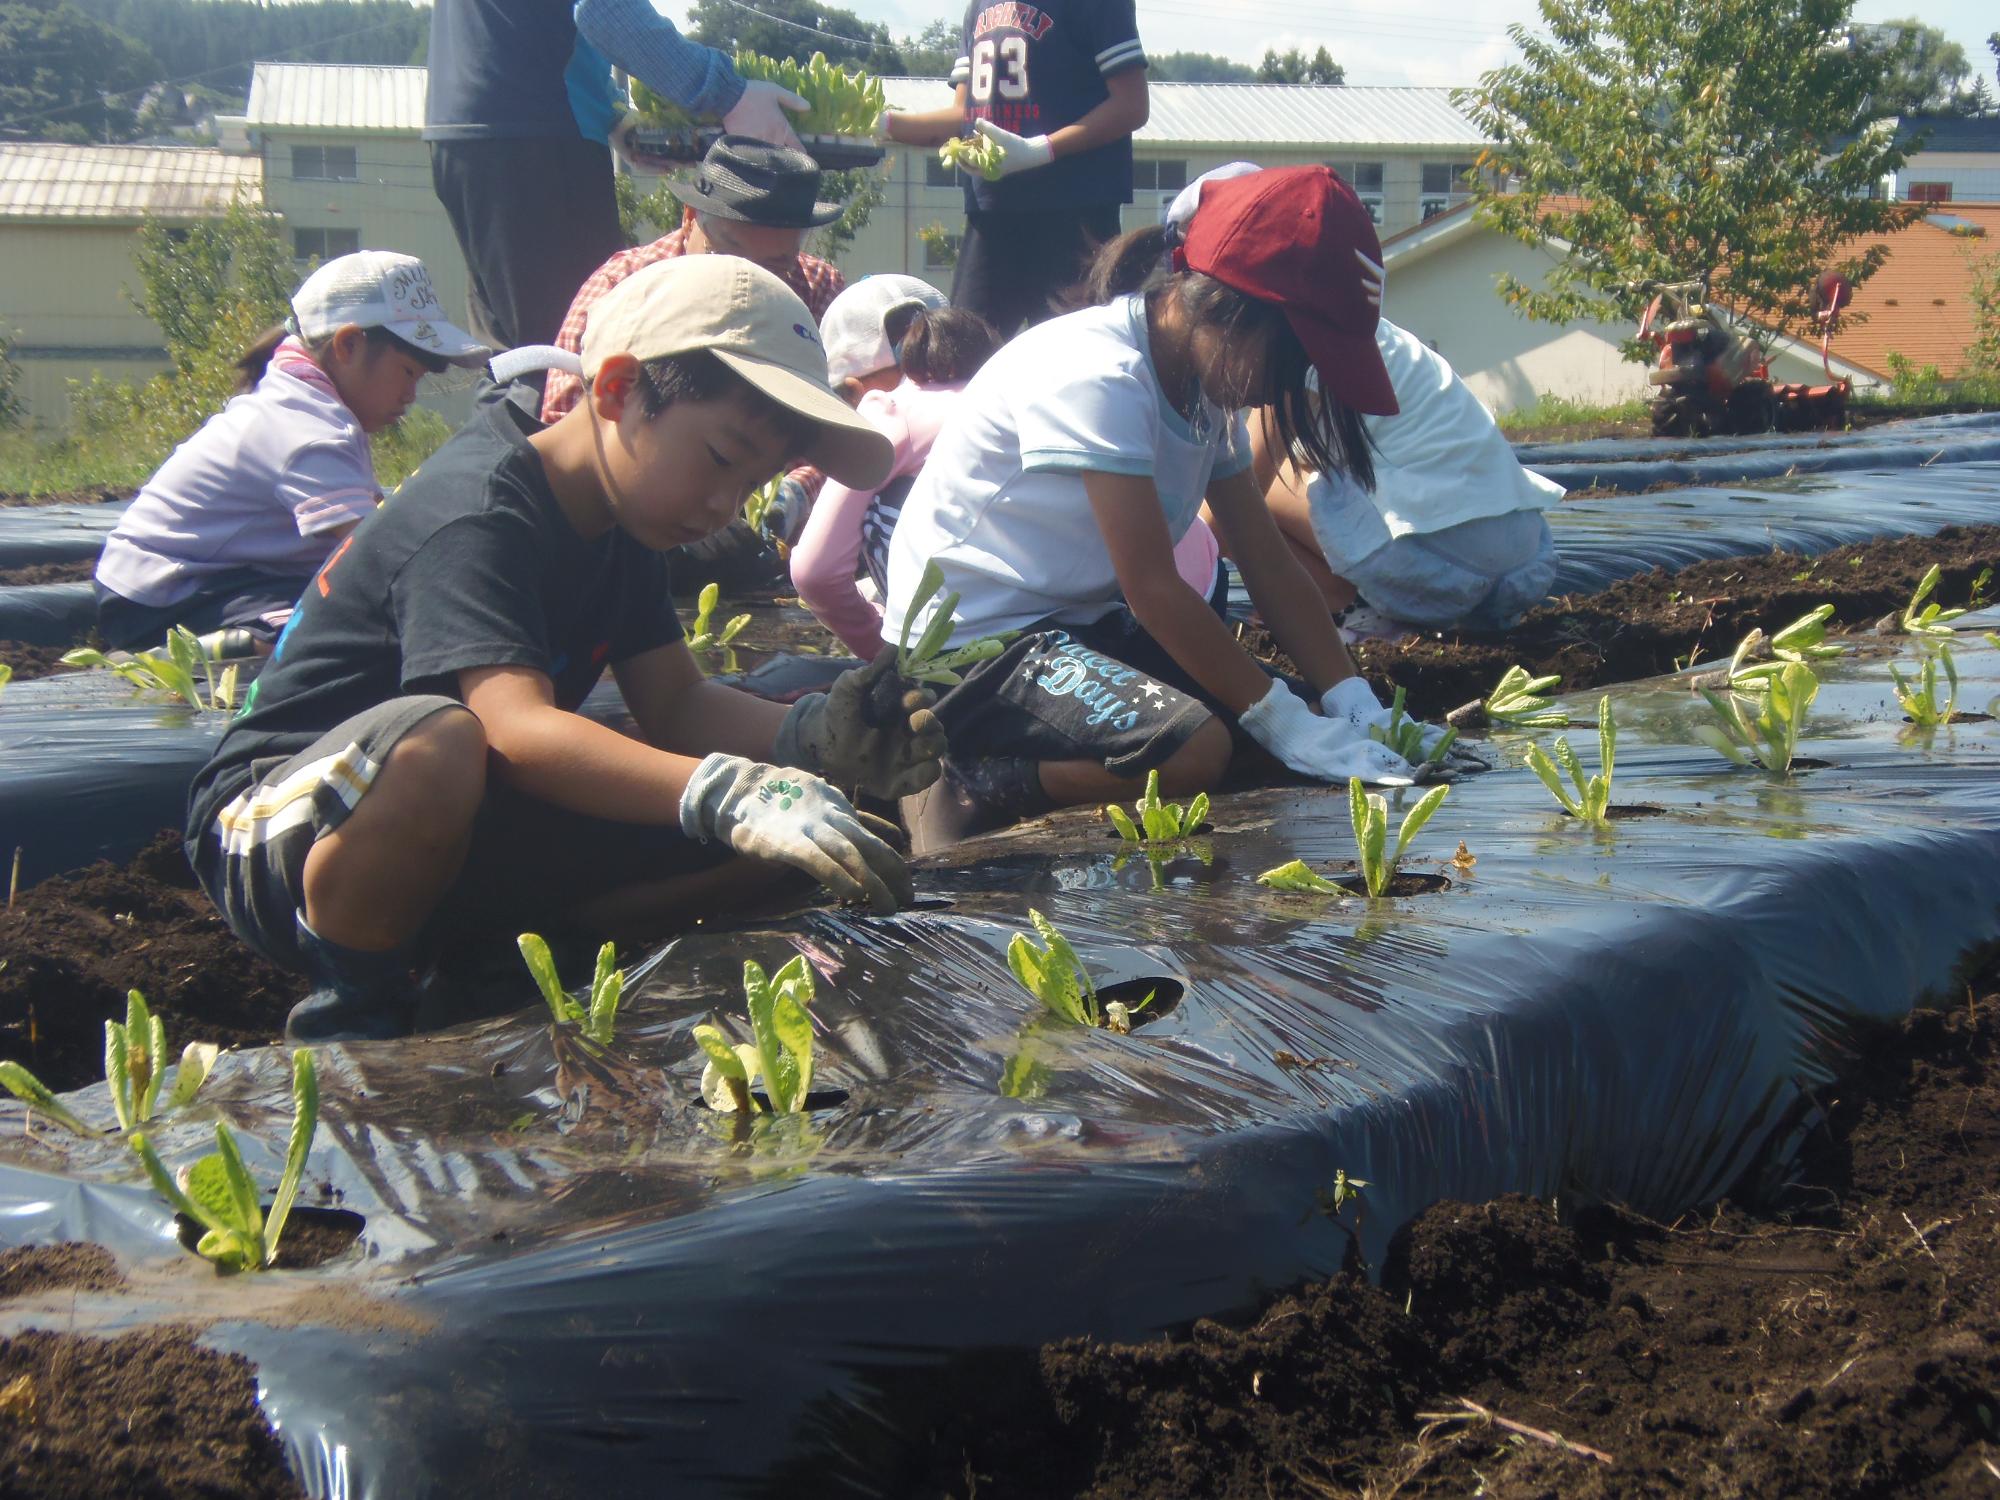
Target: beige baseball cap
[(753, 323)]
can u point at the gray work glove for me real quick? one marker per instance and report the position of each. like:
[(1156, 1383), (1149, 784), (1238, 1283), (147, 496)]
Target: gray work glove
[(774, 812), (872, 731)]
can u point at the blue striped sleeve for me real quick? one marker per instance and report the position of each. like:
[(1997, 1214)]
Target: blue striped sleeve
[(646, 44)]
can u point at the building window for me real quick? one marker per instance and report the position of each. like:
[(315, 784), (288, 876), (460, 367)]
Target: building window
[(325, 163), (941, 251), (1365, 177), (937, 174), (1930, 192), (1149, 174), (324, 244), (1445, 179)]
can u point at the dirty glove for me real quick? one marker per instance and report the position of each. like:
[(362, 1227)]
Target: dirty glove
[(771, 812), (787, 516), (1017, 153), (1330, 749), (872, 731), (761, 113), (1352, 700)]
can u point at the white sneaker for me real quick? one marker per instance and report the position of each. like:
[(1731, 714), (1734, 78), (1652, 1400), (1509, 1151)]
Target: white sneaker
[(1363, 622)]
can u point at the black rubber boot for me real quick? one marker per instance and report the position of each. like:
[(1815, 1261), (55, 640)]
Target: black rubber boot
[(357, 996)]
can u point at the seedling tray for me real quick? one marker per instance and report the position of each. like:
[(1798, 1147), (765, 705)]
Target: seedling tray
[(563, 1258), (690, 144)]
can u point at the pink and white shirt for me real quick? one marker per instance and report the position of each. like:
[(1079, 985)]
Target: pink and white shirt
[(267, 483)]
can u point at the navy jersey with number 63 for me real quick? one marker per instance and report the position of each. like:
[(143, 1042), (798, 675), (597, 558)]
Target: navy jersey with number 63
[(1033, 69)]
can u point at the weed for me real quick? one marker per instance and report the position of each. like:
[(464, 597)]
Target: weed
[(1370, 816), (1162, 822), (172, 673), (598, 1019), (1923, 618), (1405, 735), (1593, 794), (782, 1054), (1920, 702), (218, 1192), (1771, 737), (134, 1067), (1516, 700)]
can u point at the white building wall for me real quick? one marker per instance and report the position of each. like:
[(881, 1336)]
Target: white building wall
[(1973, 176), (67, 294)]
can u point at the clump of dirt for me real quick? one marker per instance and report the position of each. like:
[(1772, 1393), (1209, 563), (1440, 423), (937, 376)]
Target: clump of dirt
[(148, 1414), (30, 660), (46, 1268), (29, 574), (73, 945), (1650, 624)]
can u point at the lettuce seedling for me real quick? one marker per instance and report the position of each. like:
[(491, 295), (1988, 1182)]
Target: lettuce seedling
[(1370, 816), (598, 1019), (1055, 975), (218, 1192), (973, 153), (782, 1054), (172, 673), (758, 506), (1803, 641), (1927, 618), (701, 637), (1300, 876), (1771, 737), (1593, 793), (1405, 735), (1920, 702), (1161, 822), (922, 662), (1516, 699), (134, 1053), (6, 674)]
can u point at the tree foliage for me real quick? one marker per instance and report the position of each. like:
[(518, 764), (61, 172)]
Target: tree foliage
[(1197, 67), (842, 35), (66, 77), (1924, 70), (1983, 357), (1295, 67), (1732, 140), (932, 51)]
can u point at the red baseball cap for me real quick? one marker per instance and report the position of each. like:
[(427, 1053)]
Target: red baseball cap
[(1298, 236)]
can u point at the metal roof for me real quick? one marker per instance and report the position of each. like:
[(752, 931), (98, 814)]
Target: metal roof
[(316, 96), (121, 182), (1269, 114)]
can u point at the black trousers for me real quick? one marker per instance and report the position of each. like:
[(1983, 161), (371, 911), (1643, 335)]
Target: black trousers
[(534, 217), (1011, 265)]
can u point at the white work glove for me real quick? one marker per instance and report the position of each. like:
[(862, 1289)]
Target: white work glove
[(1353, 700), (1017, 153), (1328, 748), (773, 812), (882, 130), (761, 112)]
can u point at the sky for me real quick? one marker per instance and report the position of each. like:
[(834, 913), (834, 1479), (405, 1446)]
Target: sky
[(1436, 42)]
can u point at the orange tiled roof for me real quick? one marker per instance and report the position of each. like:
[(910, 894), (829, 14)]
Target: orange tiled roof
[(1919, 304)]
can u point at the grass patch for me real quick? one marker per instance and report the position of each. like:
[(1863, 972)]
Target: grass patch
[(1561, 411)]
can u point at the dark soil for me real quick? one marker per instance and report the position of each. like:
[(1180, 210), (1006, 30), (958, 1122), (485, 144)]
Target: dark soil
[(55, 572), (86, 1267), (1649, 624), (1402, 883), (148, 1414), (73, 945), (32, 661), (1843, 1341)]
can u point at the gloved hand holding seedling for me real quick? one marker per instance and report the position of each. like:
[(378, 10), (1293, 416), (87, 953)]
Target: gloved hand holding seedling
[(973, 153), (1592, 801), (921, 662), (782, 1054), (872, 730)]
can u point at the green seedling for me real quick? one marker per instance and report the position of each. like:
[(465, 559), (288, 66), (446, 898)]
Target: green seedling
[(1055, 975), (1517, 700), (922, 662), (1977, 599), (134, 1055), (973, 153), (1405, 735), (1922, 616), (1159, 822), (1770, 738), (220, 1195), (1370, 817), (782, 1054), (6, 674), (837, 102), (172, 672), (1592, 801), (1803, 641), (1920, 702), (702, 637), (1346, 1190), (1300, 876), (599, 1018), (758, 506)]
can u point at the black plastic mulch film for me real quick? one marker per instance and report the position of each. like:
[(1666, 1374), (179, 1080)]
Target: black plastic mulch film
[(575, 1277)]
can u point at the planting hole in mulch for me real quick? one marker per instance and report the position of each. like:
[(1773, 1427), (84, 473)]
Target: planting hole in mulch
[(817, 1101), (1807, 763), (1402, 883), (1166, 995), (1956, 718), (312, 1237), (1623, 812)]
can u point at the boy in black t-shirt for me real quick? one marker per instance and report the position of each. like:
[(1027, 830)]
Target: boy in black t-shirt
[(1060, 87), (411, 762)]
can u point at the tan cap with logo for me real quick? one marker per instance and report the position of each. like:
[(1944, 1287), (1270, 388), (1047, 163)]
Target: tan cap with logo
[(755, 324)]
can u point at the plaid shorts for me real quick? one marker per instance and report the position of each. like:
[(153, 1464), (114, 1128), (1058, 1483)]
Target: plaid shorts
[(529, 863)]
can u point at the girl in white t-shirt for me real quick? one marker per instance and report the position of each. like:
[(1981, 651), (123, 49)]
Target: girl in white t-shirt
[(1083, 451), (225, 535)]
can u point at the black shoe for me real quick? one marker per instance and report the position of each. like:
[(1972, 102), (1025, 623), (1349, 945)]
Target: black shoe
[(338, 1014)]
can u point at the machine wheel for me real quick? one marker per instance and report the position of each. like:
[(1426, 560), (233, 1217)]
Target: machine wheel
[(1751, 408), (1669, 416)]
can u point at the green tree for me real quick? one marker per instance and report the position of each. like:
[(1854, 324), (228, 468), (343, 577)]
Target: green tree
[(1983, 357), (66, 77), (1925, 70), (11, 406), (840, 34), (1295, 67), (1731, 140), (932, 51), (859, 192), (1197, 67)]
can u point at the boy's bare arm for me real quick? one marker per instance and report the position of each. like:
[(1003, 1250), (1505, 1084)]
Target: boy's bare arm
[(1124, 112), (932, 127), (678, 709)]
